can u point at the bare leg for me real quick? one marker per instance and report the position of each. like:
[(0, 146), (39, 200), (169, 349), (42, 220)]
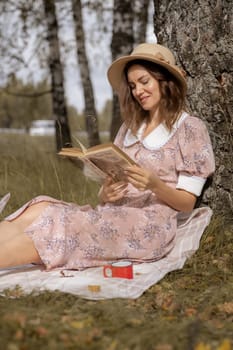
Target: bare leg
[(16, 248)]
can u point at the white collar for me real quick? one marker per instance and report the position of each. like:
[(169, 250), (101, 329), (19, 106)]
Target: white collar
[(156, 138)]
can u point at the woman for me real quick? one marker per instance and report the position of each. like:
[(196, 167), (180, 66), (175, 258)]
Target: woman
[(136, 219)]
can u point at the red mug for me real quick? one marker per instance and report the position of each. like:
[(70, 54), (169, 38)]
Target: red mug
[(119, 269)]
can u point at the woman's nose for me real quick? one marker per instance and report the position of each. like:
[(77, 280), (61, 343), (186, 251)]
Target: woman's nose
[(138, 90)]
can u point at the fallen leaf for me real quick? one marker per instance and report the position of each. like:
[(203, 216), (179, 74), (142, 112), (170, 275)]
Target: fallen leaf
[(42, 331), (19, 334), (226, 307), (169, 303), (226, 345), (202, 346), (82, 323), (166, 301), (190, 311), (113, 345)]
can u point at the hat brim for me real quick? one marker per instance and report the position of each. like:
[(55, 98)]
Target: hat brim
[(115, 72)]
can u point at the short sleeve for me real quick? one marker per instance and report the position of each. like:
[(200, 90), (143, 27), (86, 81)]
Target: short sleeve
[(195, 159)]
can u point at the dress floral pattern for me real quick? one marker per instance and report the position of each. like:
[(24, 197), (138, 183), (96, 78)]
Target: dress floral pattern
[(139, 227)]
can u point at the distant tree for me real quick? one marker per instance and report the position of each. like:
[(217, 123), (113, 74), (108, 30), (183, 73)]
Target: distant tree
[(19, 21), (130, 20), (6, 118), (141, 8), (201, 38), (21, 102), (122, 44), (63, 138), (89, 100)]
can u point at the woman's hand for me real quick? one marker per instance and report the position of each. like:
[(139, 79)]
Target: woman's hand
[(112, 191), (141, 178)]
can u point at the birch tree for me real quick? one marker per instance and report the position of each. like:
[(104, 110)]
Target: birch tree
[(89, 100), (63, 138), (141, 8), (122, 44)]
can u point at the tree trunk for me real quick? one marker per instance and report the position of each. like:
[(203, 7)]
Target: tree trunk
[(122, 44), (140, 20), (200, 33), (89, 101), (63, 138)]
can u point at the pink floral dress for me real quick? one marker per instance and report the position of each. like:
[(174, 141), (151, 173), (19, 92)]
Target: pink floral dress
[(140, 227)]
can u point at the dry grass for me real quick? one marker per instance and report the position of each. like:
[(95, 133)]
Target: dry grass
[(30, 167), (190, 309)]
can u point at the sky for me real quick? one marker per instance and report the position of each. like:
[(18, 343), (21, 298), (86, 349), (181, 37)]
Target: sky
[(98, 52)]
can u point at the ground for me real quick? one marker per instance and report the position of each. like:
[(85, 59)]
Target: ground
[(189, 309)]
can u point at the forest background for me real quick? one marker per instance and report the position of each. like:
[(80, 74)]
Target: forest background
[(79, 32)]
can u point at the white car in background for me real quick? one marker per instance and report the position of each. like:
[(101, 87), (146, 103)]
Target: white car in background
[(42, 127)]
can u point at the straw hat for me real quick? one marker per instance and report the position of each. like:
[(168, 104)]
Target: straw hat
[(149, 52)]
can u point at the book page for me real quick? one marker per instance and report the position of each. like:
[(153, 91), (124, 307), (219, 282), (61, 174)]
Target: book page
[(91, 171), (110, 163), (113, 151), (83, 148), (71, 152), (103, 160)]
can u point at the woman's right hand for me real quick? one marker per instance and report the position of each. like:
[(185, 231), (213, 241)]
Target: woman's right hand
[(112, 191)]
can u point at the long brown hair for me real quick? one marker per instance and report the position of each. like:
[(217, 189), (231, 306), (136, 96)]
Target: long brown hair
[(172, 97)]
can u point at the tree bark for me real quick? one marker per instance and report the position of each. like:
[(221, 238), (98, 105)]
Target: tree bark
[(89, 100), (122, 44), (140, 20), (63, 138), (200, 35)]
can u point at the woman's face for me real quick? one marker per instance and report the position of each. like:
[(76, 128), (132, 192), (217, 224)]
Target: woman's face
[(144, 88)]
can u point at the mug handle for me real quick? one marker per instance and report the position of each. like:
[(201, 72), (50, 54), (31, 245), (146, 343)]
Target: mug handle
[(107, 271)]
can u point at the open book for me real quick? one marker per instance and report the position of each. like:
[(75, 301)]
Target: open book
[(101, 160)]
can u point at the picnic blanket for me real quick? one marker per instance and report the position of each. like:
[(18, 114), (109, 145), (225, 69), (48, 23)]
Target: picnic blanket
[(91, 284)]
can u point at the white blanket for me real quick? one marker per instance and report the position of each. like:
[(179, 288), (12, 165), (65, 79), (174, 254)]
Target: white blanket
[(91, 284)]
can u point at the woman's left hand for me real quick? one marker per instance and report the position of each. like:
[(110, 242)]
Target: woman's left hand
[(141, 178)]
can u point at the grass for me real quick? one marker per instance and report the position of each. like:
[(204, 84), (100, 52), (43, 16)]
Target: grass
[(30, 167), (190, 309)]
